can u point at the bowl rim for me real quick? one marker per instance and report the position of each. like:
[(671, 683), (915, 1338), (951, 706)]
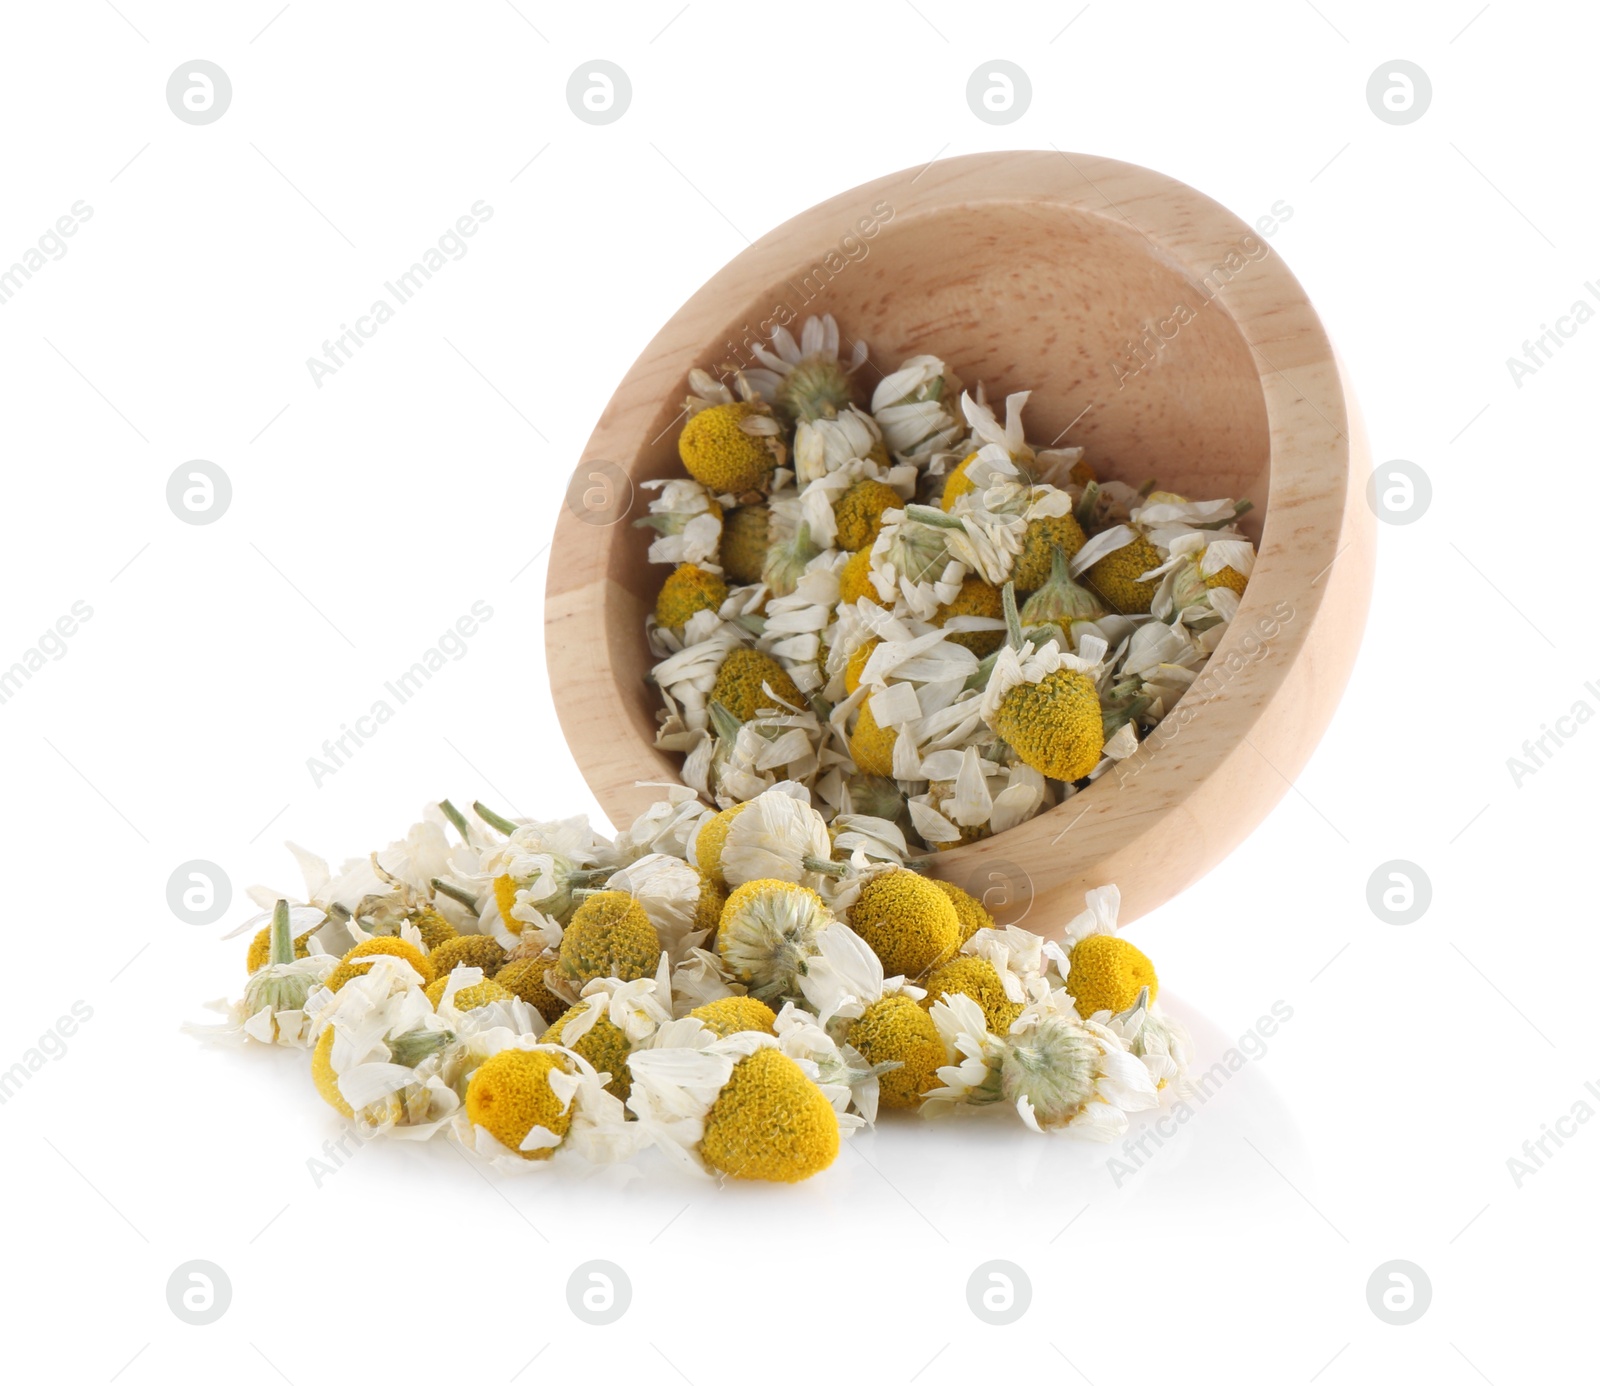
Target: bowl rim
[(1169, 817)]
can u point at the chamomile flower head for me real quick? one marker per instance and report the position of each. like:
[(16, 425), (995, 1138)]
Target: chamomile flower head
[(1060, 1072), (917, 408), (976, 978), (872, 746), (791, 549), (1059, 601), (734, 1014), (1156, 1040), (774, 838), (907, 921), (687, 522), (975, 598), (1044, 704), (1116, 565), (518, 1098), (957, 482), (911, 560), (970, 912), (744, 680), (705, 848), (770, 1121), (324, 1076), (469, 950), (359, 959), (603, 1043), (856, 665), (1040, 541), (746, 537), (525, 978), (260, 950), (858, 514), (273, 1007), (807, 379), (610, 936), (733, 449), (768, 931), (855, 578), (688, 589), (1107, 973), (896, 1030), (531, 875), (823, 446), (469, 997)]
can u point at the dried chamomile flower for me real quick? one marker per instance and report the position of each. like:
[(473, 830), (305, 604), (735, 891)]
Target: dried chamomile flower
[(750, 680), (359, 959), (970, 912), (826, 445), (526, 978), (916, 407), (601, 1042), (469, 950), (858, 514), (610, 936), (1065, 1073), (973, 618), (977, 978), (516, 1097), (687, 522), (730, 446), (855, 578), (260, 950), (907, 921), (1107, 974), (680, 900), (896, 1030), (532, 874), (273, 1008), (688, 589), (1157, 1041), (774, 838), (467, 997), (705, 847), (911, 561), (872, 746), (806, 379), (768, 932), (746, 536), (740, 1107), (1041, 540), (1059, 601), (1044, 704), (1118, 565), (733, 1014)]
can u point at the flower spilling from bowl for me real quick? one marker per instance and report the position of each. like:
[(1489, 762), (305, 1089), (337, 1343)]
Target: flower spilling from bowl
[(738, 988), (911, 610)]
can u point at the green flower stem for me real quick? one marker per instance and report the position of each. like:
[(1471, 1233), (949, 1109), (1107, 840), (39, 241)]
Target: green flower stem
[(932, 515), (282, 940), (451, 812), (493, 819), (455, 893), (836, 869), (1083, 512), (1008, 602)]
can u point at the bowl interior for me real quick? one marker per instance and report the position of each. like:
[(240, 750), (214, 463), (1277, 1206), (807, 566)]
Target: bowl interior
[(1125, 354)]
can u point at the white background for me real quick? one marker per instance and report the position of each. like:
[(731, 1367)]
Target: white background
[(369, 514)]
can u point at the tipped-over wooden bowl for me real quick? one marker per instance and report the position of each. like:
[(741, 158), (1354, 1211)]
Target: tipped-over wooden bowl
[(1155, 329)]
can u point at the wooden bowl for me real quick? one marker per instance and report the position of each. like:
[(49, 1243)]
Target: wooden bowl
[(1154, 328)]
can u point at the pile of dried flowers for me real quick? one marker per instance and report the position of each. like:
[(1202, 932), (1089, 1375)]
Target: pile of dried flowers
[(913, 611), (885, 632)]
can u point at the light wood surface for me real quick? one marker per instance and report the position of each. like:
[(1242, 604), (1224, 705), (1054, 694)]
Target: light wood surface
[(1040, 271)]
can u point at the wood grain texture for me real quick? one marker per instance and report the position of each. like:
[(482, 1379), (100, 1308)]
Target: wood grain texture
[(1155, 329)]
